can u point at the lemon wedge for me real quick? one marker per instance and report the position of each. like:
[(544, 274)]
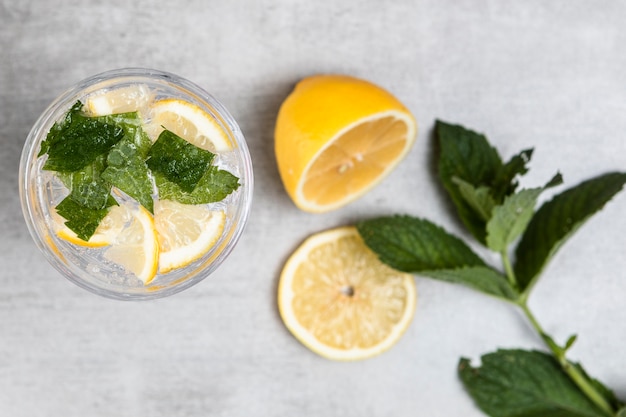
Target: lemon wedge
[(185, 232), (135, 247), (106, 233), (189, 122), (136, 97)]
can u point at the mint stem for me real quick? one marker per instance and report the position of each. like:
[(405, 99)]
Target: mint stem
[(581, 381), (575, 375), (506, 261)]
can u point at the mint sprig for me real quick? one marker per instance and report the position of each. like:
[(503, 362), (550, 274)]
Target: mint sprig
[(484, 190)]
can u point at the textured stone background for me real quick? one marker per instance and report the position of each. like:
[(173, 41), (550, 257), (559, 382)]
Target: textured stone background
[(546, 74)]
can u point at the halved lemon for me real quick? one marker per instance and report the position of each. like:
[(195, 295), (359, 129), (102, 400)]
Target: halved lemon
[(336, 137), (189, 122), (135, 247), (185, 232), (340, 301), (132, 98)]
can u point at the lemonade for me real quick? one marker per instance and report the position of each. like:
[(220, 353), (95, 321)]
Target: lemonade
[(135, 184)]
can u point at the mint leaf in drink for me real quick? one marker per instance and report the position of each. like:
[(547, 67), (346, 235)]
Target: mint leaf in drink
[(132, 125), (78, 140), (87, 187), (467, 156), (518, 383), (557, 220), (127, 171), (178, 160), (215, 185), (80, 219), (418, 246)]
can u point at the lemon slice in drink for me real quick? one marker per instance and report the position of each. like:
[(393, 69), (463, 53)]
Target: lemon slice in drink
[(120, 100), (106, 233), (336, 137), (340, 301), (189, 122), (185, 232), (135, 248)]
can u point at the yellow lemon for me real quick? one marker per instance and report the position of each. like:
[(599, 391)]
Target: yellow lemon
[(185, 232), (189, 122), (340, 301), (108, 229), (336, 137), (120, 100), (135, 247)]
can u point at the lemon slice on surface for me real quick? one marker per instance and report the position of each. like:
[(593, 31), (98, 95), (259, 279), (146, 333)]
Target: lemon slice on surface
[(189, 122), (340, 301), (120, 100), (185, 232), (135, 248), (336, 137)]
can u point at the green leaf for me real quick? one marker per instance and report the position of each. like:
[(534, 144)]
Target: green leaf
[(466, 155), (178, 160), (518, 383), (132, 125), (557, 220), (82, 220), (87, 186), (215, 185), (78, 140), (505, 183), (511, 218), (479, 198), (415, 245), (480, 278), (127, 171)]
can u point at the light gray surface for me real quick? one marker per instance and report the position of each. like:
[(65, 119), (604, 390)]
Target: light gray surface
[(546, 74)]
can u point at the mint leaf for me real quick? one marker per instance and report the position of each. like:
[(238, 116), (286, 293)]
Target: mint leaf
[(87, 187), (82, 220), (480, 278), (215, 185), (518, 383), (479, 198), (132, 125), (557, 220), (415, 245), (127, 171), (78, 140), (512, 217), (466, 155), (178, 160), (505, 183)]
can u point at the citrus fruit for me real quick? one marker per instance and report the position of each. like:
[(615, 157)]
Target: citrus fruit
[(340, 301), (106, 233), (185, 232), (336, 137), (135, 247), (120, 100), (189, 122)]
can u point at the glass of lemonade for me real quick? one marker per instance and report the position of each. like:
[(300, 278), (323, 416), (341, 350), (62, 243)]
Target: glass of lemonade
[(135, 183)]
